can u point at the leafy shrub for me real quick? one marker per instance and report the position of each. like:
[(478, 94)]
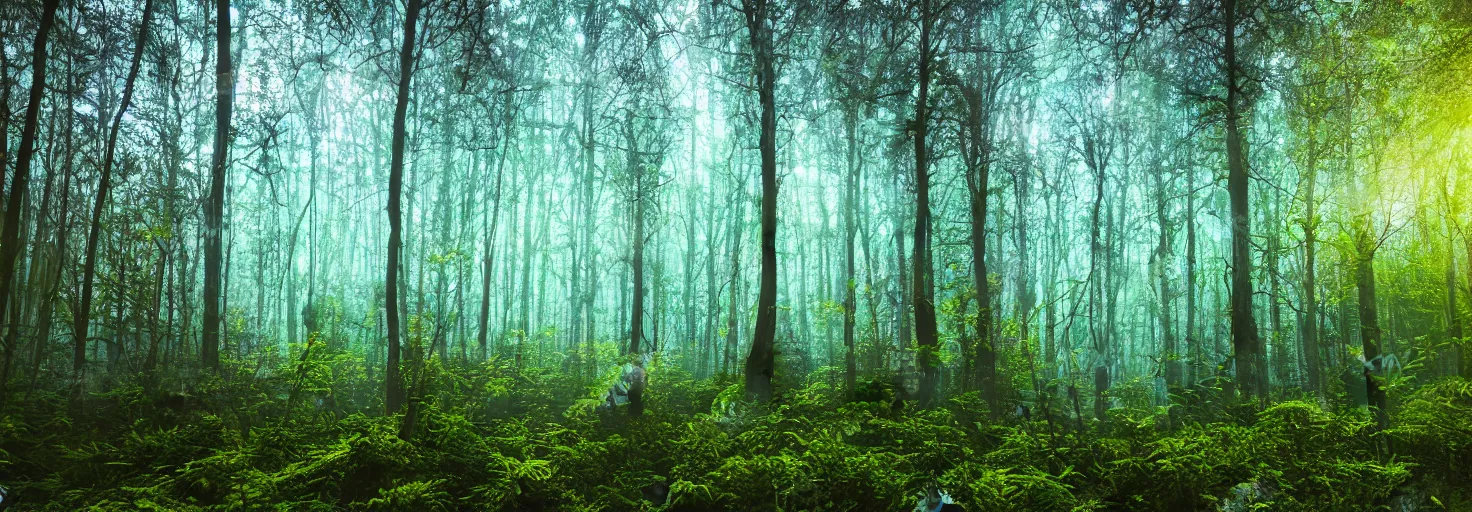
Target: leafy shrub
[(494, 437)]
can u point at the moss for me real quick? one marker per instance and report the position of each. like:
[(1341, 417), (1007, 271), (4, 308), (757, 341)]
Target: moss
[(699, 448)]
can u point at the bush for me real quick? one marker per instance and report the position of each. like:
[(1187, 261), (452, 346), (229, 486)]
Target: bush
[(701, 446)]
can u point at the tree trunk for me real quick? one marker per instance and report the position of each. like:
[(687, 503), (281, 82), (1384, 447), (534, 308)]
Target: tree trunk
[(1026, 292), (1275, 366), (1096, 284), (10, 239), (850, 228), (1370, 333), (712, 297), (80, 316), (1310, 328), (52, 283), (980, 354), (926, 336), (488, 260), (395, 395), (214, 209), (1453, 317), (1169, 353), (733, 306), (1193, 342), (636, 241), (1246, 347), (761, 360), (527, 248)]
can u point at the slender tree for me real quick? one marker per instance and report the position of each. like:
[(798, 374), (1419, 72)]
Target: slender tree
[(214, 208), (10, 239), (80, 317), (761, 361), (395, 394), (927, 338)]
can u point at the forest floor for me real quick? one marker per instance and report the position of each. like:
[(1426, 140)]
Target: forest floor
[(491, 437)]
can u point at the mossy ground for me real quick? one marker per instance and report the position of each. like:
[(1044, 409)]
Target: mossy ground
[(490, 437)]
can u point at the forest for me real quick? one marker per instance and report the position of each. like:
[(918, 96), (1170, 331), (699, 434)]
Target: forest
[(605, 255)]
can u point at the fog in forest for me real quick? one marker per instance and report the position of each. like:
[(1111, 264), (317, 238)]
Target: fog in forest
[(736, 255)]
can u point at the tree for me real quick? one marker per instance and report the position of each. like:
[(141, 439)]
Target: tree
[(10, 240), (80, 317), (923, 287), (761, 361), (1246, 345), (492, 221), (214, 208), (395, 393), (989, 64)]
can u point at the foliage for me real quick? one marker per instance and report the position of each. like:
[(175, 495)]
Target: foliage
[(490, 437)]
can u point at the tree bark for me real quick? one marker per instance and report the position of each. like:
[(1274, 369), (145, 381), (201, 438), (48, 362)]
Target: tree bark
[(636, 240), (1374, 367), (395, 393), (1099, 340), (214, 208), (1310, 328), (10, 239), (1192, 341), (733, 305), (1246, 346), (850, 229), (1453, 316), (926, 336), (975, 141), (1169, 352), (761, 360), (488, 260)]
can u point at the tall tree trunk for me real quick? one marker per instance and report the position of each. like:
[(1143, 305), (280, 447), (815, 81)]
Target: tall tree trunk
[(1246, 347), (5, 119), (636, 240), (900, 301), (52, 283), (527, 249), (1453, 316), (1193, 342), (1310, 328), (850, 229), (488, 260), (395, 394), (761, 360), (80, 318), (1026, 293), (926, 336), (1370, 334), (32, 285), (985, 350), (636, 318), (975, 139), (733, 306), (593, 28), (214, 208), (1098, 339), (1056, 259), (1275, 366), (1169, 352), (712, 295), (10, 239)]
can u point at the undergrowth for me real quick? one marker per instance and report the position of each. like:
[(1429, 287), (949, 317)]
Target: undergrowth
[(491, 437)]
